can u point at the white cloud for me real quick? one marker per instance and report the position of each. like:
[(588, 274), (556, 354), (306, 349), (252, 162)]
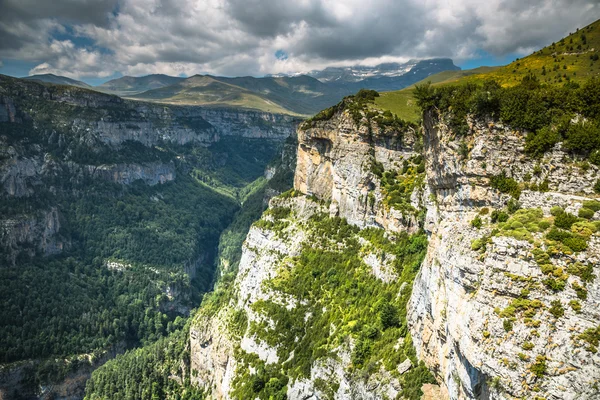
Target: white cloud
[(240, 37)]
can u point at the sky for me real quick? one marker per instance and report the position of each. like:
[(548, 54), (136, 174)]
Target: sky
[(95, 40)]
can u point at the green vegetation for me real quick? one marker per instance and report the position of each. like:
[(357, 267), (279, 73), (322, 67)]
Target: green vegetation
[(550, 113), (546, 66), (329, 284), (556, 309), (148, 372), (364, 110), (572, 59), (398, 186), (476, 222), (538, 368), (151, 372), (133, 228), (123, 277), (521, 305), (522, 224), (592, 337), (402, 103)]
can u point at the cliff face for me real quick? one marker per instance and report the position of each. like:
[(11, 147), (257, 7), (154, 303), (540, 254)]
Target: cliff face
[(486, 317), (336, 163), (306, 342), (57, 138), (505, 303), (98, 117)]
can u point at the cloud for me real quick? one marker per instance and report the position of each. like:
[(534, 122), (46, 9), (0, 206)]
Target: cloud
[(98, 38)]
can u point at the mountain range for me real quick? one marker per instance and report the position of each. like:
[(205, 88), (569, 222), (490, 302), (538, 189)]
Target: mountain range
[(283, 94)]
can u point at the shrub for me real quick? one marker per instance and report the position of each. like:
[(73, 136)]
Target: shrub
[(499, 216), (592, 337), (507, 324), (527, 346), (583, 137), (388, 316), (540, 142), (593, 205), (513, 206), (556, 210), (479, 244), (585, 272), (476, 222), (586, 213), (597, 186), (538, 368), (579, 290), (575, 305), (564, 220), (595, 158), (366, 95), (556, 285), (556, 309), (505, 184)]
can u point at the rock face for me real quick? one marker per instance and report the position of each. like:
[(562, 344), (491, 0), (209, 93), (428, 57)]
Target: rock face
[(460, 314), (72, 121), (334, 178), (506, 301), (335, 162), (98, 117)]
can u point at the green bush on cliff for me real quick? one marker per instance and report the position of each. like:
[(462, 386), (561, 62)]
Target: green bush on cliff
[(506, 184), (550, 114), (337, 297)]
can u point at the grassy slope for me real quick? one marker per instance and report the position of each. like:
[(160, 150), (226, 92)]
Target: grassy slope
[(205, 90), (571, 52), (579, 68), (402, 102), (300, 95)]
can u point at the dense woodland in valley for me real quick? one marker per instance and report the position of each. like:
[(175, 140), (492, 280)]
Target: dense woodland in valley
[(72, 303)]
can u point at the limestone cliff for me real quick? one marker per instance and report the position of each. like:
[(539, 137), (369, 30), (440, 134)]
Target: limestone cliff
[(505, 304), (327, 341), (56, 138), (484, 314)]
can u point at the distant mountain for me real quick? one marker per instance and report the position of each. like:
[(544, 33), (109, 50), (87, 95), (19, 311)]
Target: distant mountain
[(57, 80), (358, 73), (383, 77), (132, 85), (298, 95)]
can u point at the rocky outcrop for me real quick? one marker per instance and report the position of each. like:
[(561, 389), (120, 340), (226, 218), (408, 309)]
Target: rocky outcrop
[(460, 313), (335, 163), (32, 233), (150, 173), (98, 117), (250, 124)]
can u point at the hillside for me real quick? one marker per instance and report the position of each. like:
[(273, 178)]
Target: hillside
[(131, 85), (572, 59), (57, 80), (300, 95)]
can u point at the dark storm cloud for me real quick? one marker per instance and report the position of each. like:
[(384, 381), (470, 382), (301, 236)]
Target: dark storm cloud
[(269, 18), (243, 36)]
